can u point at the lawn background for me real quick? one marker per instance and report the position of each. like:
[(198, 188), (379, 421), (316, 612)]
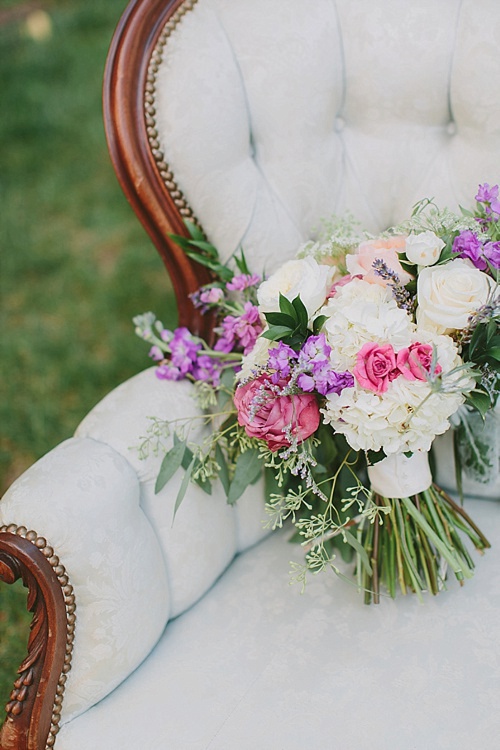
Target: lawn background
[(75, 263)]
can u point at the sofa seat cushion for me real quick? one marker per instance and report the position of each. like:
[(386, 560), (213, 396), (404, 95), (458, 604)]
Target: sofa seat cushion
[(255, 665)]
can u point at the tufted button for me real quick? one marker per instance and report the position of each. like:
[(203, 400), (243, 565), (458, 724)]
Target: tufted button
[(339, 124), (451, 128)]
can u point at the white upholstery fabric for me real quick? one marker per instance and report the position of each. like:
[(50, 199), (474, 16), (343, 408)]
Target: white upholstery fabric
[(256, 666), (276, 114), (84, 499), (273, 115), (207, 532)]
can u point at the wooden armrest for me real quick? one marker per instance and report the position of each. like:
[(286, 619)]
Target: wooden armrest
[(34, 708)]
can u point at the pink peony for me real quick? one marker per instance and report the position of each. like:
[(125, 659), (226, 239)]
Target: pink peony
[(375, 367), (415, 362), (386, 249), (268, 416)]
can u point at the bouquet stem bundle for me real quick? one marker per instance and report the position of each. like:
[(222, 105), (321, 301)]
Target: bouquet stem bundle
[(412, 543)]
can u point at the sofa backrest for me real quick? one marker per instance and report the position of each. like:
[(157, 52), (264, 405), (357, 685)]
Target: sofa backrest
[(274, 115)]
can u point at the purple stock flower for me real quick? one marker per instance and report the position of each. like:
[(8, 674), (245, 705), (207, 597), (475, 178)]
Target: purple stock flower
[(211, 296), (306, 382), (167, 371), (156, 353), (314, 361), (468, 245), (489, 197), (315, 351), (207, 296), (330, 381), (207, 369), (240, 331), (279, 360), (492, 253), (242, 281), (184, 349)]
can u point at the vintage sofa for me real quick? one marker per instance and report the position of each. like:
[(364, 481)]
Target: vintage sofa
[(257, 118)]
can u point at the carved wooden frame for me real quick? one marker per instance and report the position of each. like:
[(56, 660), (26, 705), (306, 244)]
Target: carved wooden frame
[(34, 708)]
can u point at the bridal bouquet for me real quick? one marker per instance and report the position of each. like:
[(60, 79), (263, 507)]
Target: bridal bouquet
[(334, 375)]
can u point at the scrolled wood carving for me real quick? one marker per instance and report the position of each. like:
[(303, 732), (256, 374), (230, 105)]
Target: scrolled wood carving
[(34, 708)]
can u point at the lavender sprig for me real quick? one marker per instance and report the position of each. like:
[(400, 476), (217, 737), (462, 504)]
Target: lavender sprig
[(401, 295)]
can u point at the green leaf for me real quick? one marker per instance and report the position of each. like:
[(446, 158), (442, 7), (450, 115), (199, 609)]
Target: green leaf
[(353, 542), (183, 242), (275, 333), (280, 319), (446, 253), (183, 488), (302, 315), (374, 457), (476, 340), (286, 306), (491, 330), (480, 401), (221, 271), (494, 352), (241, 263), (271, 486), (458, 466), (247, 471), (187, 458), (223, 472), (225, 390), (318, 323), (194, 231), (207, 247), (172, 461)]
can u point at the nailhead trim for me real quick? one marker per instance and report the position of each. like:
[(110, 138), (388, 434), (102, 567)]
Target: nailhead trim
[(150, 111)]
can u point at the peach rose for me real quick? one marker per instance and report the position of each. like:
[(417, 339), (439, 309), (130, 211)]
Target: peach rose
[(386, 249)]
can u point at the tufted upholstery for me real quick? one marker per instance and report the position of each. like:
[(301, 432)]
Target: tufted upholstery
[(272, 114)]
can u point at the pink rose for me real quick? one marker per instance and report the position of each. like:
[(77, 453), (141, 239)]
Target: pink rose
[(385, 249), (414, 362), (265, 415), (375, 367)]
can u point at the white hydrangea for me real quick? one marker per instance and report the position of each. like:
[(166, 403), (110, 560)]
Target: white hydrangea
[(359, 313), (407, 417)]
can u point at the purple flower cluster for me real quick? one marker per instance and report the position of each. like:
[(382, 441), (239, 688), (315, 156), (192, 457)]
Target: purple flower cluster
[(240, 331), (243, 281), (207, 297), (184, 358), (488, 196), (468, 245), (310, 368)]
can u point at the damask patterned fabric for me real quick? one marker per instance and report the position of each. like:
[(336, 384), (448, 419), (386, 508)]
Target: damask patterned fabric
[(255, 665), (83, 497)]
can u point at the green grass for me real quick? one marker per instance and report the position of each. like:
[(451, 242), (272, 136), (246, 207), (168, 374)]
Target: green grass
[(75, 263)]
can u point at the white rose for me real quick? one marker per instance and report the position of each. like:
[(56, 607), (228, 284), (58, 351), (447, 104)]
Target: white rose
[(448, 294), (303, 277), (256, 358), (423, 249)]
